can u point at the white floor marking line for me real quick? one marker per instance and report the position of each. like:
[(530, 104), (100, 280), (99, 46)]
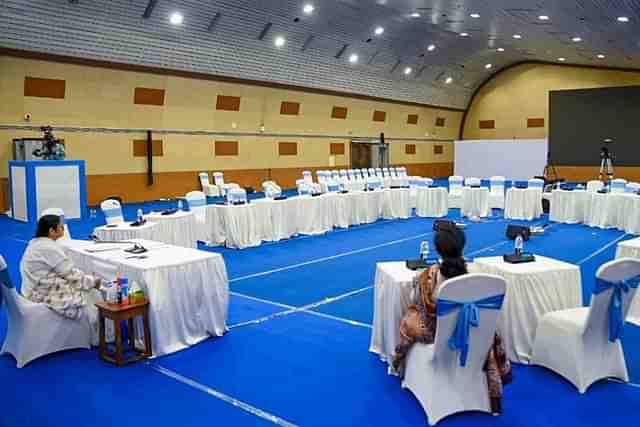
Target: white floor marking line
[(261, 300), (630, 384), (602, 249), (225, 398), (318, 260)]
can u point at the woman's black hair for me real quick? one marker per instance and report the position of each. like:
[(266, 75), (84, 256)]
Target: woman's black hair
[(46, 223), (450, 243)]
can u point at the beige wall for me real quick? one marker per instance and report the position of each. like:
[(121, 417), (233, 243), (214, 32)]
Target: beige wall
[(522, 92), (100, 97)]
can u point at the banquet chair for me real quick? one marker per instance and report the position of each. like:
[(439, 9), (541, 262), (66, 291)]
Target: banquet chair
[(472, 182), (308, 178), (320, 176), (583, 344), (343, 176), (58, 212), (218, 179), (447, 376), (197, 202), (618, 185), (374, 183), (455, 191), (237, 195), (403, 171), (34, 330), (496, 192), (208, 189), (369, 173), (536, 183), (378, 172), (351, 176), (335, 175), (271, 189), (632, 187), (594, 186), (386, 173), (112, 211)]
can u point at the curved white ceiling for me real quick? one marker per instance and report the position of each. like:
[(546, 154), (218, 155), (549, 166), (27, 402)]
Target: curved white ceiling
[(221, 37)]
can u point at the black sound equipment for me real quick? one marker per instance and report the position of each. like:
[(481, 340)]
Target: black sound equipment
[(514, 230)]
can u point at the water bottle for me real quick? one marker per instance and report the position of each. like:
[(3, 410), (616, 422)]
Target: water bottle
[(124, 290), (424, 250), (518, 245), (179, 205), (139, 216)]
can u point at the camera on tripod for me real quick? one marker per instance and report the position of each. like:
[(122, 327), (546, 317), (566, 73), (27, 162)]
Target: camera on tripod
[(606, 160), (50, 148)]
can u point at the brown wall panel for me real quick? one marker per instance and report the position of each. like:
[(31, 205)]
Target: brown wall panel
[(225, 148), (535, 122), (379, 116), (336, 148), (440, 122), (228, 103), (438, 149), (44, 88), (339, 112), (148, 96), (587, 173), (4, 193), (487, 124), (410, 149), (288, 148), (290, 108), (412, 119), (140, 148)]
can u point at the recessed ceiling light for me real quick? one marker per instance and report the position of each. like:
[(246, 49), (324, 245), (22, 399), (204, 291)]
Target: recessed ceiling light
[(448, 80), (431, 47), (500, 49), (415, 15), (517, 36), (623, 19), (601, 56), (353, 58), (279, 41), (176, 18), (407, 71), (464, 34), (475, 15), (488, 66), (576, 39), (543, 17), (561, 59), (308, 9), (378, 31)]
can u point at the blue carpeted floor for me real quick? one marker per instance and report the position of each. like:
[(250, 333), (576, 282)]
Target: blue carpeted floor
[(305, 368)]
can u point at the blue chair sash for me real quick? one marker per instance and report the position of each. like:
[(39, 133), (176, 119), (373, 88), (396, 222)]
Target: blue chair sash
[(196, 203), (469, 316), (5, 280), (616, 320), (112, 213)]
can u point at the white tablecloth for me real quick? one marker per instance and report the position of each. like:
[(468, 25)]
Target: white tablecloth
[(568, 206), (631, 249), (124, 231), (629, 214), (614, 210), (392, 296), (475, 202), (187, 289), (523, 203), (314, 215), (370, 206), (236, 225), (432, 202), (278, 218), (533, 289), (395, 203), (178, 229)]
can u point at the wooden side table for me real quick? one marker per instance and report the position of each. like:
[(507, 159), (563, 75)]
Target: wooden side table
[(118, 313)]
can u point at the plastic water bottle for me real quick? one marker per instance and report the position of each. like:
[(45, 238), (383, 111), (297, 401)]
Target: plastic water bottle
[(518, 245), (179, 205), (424, 250), (124, 290), (139, 216)]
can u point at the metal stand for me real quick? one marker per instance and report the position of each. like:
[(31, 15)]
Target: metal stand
[(606, 168)]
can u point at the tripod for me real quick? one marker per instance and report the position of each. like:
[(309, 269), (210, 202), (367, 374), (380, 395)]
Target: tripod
[(606, 168)]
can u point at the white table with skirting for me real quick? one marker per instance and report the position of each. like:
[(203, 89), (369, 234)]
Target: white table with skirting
[(523, 203), (124, 231), (178, 228), (569, 206), (277, 217), (475, 202), (237, 226), (432, 202), (396, 203)]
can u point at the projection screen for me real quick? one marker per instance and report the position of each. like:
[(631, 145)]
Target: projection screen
[(514, 159)]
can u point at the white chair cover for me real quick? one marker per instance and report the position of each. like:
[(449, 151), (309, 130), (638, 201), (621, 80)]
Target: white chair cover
[(223, 186), (112, 211), (369, 173), (374, 183), (271, 189), (536, 183), (198, 205), (335, 175), (472, 182), (582, 344), (385, 173), (378, 173), (594, 186), (618, 185), (235, 195), (58, 212), (320, 176), (207, 188), (433, 371), (306, 175), (351, 175), (632, 187), (455, 191), (403, 171), (496, 192), (343, 175)]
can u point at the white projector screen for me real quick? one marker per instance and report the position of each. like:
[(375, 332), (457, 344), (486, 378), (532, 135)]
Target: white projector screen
[(518, 159)]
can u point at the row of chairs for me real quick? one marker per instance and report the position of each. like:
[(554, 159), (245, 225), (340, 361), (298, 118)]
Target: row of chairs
[(617, 185), (496, 189), (355, 175), (219, 188)]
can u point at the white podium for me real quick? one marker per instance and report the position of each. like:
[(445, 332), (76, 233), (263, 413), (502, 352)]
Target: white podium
[(37, 185)]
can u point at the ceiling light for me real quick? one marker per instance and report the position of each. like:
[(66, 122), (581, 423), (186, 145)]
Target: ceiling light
[(623, 19), (279, 41), (601, 56), (407, 71), (543, 17), (308, 9), (415, 15), (448, 80), (488, 66), (475, 15), (576, 39), (379, 30), (431, 47), (176, 18), (353, 58), (562, 59), (500, 49), (517, 36), (464, 34)]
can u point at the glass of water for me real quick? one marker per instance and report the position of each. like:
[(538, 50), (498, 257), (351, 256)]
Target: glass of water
[(93, 213)]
